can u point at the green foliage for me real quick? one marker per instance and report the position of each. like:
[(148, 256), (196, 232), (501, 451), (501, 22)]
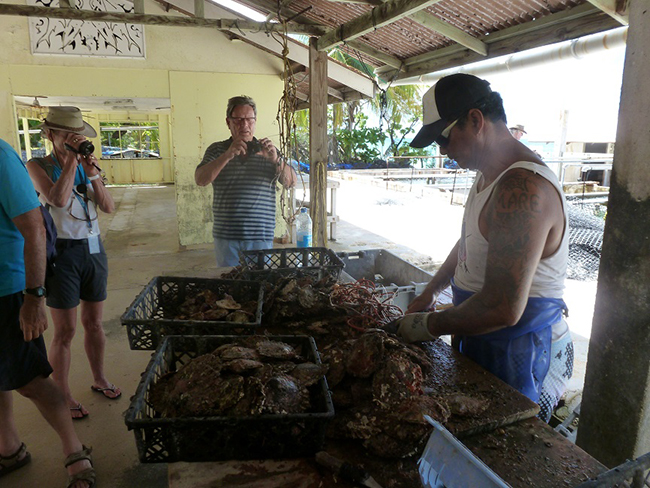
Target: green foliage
[(360, 143), (35, 139), (144, 136), (400, 109)]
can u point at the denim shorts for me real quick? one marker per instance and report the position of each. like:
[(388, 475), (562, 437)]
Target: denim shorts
[(227, 250), (78, 275), (20, 361)]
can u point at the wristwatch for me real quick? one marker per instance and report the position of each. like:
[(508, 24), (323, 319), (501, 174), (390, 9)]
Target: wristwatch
[(39, 291)]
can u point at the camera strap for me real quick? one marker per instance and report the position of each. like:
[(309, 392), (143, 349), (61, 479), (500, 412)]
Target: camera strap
[(79, 178)]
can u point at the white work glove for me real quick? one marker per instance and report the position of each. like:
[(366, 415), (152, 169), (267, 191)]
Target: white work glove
[(413, 327)]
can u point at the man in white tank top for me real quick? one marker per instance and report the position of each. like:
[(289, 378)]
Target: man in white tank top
[(507, 270)]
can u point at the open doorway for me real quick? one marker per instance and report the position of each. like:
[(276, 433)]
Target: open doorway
[(134, 135)]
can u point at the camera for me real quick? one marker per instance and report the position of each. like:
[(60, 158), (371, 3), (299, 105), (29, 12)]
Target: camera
[(253, 146), (86, 148)]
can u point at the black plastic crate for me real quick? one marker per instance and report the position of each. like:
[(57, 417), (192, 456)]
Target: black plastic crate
[(221, 438), (151, 315), (315, 261)]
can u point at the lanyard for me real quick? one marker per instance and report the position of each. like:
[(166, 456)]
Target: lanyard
[(79, 179)]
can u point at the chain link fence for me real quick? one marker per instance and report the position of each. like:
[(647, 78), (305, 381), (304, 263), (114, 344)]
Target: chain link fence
[(586, 226)]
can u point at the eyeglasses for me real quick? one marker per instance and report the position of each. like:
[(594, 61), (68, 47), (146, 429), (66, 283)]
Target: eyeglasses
[(443, 138), (239, 120), (81, 196)]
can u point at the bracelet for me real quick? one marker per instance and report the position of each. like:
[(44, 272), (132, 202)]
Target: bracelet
[(94, 177)]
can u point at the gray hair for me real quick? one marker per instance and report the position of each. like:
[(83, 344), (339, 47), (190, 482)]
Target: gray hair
[(241, 100)]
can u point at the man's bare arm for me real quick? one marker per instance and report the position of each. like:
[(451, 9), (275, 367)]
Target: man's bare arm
[(520, 215), (33, 320)]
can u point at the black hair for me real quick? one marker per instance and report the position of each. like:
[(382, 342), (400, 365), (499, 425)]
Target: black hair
[(492, 108)]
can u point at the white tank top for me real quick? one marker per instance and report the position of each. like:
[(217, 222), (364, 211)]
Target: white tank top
[(71, 221), (548, 281)]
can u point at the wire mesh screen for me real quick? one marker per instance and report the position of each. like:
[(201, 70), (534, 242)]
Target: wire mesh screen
[(586, 226)]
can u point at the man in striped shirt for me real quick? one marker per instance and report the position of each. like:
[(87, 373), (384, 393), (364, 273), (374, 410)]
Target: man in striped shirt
[(243, 171)]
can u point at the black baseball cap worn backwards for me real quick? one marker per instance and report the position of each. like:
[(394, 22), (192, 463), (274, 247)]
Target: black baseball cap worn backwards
[(446, 101)]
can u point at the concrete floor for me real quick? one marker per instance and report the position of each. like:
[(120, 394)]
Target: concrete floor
[(141, 239)]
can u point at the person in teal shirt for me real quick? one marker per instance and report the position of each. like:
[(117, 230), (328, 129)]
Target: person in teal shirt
[(23, 359)]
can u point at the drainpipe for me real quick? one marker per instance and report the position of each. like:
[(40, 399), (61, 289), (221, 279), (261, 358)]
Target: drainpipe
[(574, 49)]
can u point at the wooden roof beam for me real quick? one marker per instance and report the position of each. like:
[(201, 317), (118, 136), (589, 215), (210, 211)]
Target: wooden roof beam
[(455, 34), (376, 53), (617, 9), (384, 14), (562, 26), (364, 2), (93, 15)]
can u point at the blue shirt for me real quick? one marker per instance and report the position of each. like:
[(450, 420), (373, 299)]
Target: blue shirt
[(17, 196)]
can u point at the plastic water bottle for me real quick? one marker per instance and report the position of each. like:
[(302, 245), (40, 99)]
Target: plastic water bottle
[(303, 228)]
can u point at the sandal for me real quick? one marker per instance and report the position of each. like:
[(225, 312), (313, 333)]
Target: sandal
[(113, 389), (79, 409), (14, 462), (88, 475)]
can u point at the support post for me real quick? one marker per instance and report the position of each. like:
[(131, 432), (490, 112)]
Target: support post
[(199, 8), (318, 143), (615, 411), (26, 138)]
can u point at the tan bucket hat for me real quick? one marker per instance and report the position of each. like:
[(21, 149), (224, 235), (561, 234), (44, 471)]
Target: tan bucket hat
[(518, 127), (67, 119)]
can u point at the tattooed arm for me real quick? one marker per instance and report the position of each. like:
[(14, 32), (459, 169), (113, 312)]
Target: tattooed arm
[(523, 222)]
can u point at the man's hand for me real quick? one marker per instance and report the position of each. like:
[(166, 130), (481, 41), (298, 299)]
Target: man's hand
[(424, 302), (414, 328), (237, 148), (268, 150), (33, 320)]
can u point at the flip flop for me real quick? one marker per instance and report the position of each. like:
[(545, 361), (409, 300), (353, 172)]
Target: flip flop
[(12, 463), (78, 408), (112, 388)]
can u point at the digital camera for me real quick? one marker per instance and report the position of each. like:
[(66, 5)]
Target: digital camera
[(253, 146), (86, 148)]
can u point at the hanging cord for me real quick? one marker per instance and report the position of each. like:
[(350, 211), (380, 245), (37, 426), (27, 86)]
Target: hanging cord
[(286, 123)]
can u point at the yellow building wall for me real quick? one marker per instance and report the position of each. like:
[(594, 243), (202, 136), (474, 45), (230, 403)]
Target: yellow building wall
[(197, 69)]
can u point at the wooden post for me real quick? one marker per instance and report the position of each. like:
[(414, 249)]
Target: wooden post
[(26, 138), (318, 143), (615, 411), (199, 8)]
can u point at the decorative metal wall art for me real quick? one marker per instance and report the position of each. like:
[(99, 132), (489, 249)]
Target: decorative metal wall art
[(87, 38)]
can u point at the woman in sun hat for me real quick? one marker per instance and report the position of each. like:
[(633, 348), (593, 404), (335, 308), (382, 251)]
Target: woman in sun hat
[(70, 185)]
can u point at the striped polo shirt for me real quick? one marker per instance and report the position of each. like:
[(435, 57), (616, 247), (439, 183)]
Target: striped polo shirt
[(243, 202)]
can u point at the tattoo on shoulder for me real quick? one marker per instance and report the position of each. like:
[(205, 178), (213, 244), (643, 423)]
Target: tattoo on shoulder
[(517, 192)]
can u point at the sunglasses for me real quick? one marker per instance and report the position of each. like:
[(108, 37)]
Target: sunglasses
[(443, 138)]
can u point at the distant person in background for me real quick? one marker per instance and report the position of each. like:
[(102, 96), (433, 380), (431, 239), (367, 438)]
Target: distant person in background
[(450, 164), (70, 184), (243, 171), (517, 131)]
